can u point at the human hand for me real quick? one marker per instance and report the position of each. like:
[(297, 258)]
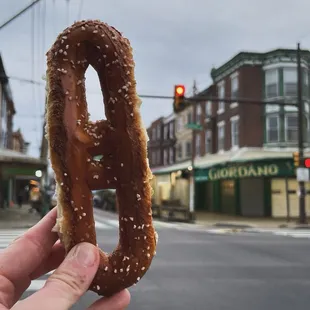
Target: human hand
[(36, 253)]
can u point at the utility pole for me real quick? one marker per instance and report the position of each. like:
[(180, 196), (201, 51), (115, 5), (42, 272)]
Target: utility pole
[(302, 194)]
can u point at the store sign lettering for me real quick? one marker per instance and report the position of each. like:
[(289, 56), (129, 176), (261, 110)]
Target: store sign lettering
[(243, 172)]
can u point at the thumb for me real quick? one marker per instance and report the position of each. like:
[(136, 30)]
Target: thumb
[(69, 282)]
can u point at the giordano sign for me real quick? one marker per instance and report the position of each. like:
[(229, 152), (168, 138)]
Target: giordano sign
[(245, 171)]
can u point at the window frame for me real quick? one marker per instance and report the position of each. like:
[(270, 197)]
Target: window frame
[(276, 70), (235, 120), (221, 104), (268, 128), (220, 125)]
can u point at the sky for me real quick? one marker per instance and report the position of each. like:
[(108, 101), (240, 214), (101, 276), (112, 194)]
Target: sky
[(174, 42)]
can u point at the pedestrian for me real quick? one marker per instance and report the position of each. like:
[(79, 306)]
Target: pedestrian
[(36, 253)]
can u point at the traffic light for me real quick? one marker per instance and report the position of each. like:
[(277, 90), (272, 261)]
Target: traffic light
[(307, 162), (179, 92), (296, 159)]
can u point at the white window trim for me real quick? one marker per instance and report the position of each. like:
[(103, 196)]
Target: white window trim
[(265, 86), (282, 65), (233, 119), (233, 76), (267, 128), (220, 84), (220, 124), (206, 137)]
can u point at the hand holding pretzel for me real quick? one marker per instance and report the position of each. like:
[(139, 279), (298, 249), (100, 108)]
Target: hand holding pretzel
[(121, 140)]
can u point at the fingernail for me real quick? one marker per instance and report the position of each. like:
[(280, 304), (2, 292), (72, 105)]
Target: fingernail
[(85, 254)]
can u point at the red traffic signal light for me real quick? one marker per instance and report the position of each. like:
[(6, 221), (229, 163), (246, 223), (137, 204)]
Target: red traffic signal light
[(307, 162), (179, 91)]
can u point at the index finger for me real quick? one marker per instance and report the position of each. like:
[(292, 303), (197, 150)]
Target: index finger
[(23, 256)]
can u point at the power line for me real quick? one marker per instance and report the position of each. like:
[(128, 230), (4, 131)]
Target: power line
[(19, 13)]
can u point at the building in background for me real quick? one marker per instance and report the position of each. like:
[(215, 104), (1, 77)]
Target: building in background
[(18, 142), (155, 151), (249, 169), (16, 168)]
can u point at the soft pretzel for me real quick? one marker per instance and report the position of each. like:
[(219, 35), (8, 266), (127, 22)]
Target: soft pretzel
[(121, 140)]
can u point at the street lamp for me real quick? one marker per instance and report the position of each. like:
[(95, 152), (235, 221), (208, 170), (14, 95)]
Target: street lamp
[(38, 173)]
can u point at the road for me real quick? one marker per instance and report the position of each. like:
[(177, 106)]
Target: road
[(196, 269)]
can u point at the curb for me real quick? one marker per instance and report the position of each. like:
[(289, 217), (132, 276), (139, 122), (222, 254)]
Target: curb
[(232, 225)]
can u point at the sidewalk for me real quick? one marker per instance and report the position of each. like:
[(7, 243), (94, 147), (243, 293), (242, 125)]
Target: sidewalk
[(239, 222), (16, 218)]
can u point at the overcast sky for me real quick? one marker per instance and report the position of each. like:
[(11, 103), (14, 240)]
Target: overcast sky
[(174, 41)]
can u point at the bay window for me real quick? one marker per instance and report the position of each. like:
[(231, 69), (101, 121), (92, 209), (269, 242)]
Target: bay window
[(271, 83), (272, 128)]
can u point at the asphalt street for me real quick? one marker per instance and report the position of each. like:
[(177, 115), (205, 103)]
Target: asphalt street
[(195, 269)]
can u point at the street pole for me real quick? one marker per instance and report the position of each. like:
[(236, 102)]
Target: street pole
[(302, 207), (192, 182)]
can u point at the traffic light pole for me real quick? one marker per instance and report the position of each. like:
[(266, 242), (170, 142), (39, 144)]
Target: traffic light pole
[(192, 189), (302, 194)]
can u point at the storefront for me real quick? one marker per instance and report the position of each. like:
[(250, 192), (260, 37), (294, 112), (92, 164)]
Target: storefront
[(16, 170), (171, 183), (261, 188)]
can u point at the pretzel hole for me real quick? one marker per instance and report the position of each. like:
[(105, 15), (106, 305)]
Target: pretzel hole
[(94, 97)]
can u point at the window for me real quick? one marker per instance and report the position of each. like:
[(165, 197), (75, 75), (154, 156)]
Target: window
[(272, 126), (154, 134), (189, 117), (208, 141), (221, 94), (3, 129), (305, 83), (291, 128), (234, 87), (290, 82), (165, 132), (179, 151), (180, 123), (188, 149), (197, 144), (234, 131), (166, 157), (158, 157), (158, 132), (208, 108), (171, 155), (154, 158), (220, 136), (171, 130), (198, 113), (271, 83)]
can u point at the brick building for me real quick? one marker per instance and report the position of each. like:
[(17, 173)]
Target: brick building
[(247, 167), (155, 150)]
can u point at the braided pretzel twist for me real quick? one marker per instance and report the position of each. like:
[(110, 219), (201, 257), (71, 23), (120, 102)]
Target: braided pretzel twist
[(121, 139)]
